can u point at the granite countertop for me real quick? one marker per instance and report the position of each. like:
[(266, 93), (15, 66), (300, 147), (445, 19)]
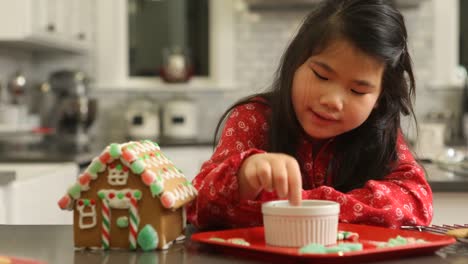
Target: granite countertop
[(81, 156), (39, 156), (446, 181)]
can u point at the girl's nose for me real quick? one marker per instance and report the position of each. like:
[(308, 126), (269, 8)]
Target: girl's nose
[(333, 101)]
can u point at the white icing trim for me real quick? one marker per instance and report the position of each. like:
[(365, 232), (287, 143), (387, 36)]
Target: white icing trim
[(83, 214), (168, 245), (138, 147), (183, 192), (116, 177), (119, 203), (180, 238)]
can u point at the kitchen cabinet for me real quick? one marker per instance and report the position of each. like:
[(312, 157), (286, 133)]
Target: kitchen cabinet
[(450, 208), (188, 159), (57, 25), (31, 197)]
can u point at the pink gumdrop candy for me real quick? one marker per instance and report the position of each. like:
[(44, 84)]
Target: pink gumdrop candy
[(168, 200), (148, 177), (64, 202)]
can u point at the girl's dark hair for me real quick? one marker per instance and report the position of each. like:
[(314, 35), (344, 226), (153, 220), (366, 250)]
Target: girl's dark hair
[(376, 28)]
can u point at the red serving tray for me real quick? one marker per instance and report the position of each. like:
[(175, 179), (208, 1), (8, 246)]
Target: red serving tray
[(18, 260), (368, 236)]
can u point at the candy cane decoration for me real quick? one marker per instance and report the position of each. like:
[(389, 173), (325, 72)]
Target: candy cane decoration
[(105, 234), (134, 222)]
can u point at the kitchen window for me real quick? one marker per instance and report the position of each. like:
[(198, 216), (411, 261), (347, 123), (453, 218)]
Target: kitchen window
[(117, 65), (157, 28), (463, 33)]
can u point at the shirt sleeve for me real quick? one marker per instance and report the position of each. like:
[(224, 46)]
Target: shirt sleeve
[(218, 204), (403, 197)]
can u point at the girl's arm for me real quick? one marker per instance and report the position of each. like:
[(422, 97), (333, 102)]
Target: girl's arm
[(218, 203), (403, 197)]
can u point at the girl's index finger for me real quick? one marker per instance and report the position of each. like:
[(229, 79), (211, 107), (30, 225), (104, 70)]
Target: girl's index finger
[(294, 184)]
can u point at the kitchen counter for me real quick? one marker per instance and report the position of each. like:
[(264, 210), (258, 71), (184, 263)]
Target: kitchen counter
[(54, 244), (445, 181), (47, 154), (185, 143), (440, 180), (83, 156)]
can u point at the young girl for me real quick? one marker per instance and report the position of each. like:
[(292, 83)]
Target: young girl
[(329, 128)]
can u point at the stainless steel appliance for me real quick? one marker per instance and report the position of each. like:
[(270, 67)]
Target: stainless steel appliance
[(70, 111)]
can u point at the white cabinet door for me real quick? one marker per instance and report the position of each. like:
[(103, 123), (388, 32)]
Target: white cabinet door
[(83, 20), (450, 208), (6, 177), (31, 199), (44, 24), (188, 159)]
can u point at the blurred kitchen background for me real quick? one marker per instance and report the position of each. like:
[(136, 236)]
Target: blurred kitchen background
[(77, 75)]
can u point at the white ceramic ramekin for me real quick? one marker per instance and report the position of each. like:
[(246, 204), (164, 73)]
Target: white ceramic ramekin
[(314, 221)]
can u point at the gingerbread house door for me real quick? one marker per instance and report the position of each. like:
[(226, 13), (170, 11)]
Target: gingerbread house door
[(120, 218)]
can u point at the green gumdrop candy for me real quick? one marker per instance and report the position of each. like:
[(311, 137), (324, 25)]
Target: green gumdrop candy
[(351, 246), (148, 238), (336, 249), (313, 248), (137, 195), (95, 167), (138, 166), (156, 188), (115, 150), (75, 191), (122, 222), (101, 195)]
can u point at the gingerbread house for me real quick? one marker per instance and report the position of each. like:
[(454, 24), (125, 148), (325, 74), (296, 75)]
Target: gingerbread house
[(131, 196)]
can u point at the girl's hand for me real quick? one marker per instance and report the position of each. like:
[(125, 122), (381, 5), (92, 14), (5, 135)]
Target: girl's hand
[(271, 171)]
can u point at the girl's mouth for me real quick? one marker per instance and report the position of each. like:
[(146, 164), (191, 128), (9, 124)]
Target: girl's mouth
[(322, 117)]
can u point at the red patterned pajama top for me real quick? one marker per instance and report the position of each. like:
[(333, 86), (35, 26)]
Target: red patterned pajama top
[(403, 197)]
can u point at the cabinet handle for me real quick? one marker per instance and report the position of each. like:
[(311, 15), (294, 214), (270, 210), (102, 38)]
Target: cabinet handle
[(81, 36), (6, 178), (51, 27)]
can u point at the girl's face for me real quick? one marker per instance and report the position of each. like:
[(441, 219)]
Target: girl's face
[(335, 91)]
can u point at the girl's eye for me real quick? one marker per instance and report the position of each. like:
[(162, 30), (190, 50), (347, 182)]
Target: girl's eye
[(320, 76), (357, 92)]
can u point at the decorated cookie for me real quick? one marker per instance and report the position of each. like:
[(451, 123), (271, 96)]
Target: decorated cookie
[(131, 196), (347, 235), (400, 241), (238, 241), (315, 248), (459, 232)]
